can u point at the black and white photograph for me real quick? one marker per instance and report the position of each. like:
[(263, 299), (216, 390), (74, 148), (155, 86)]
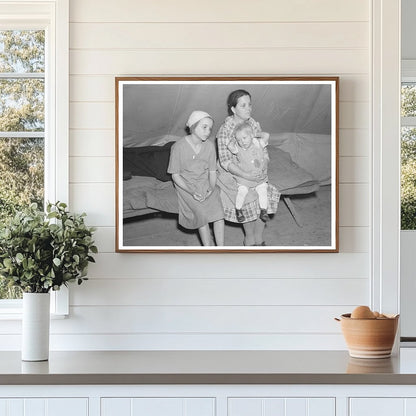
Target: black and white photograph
[(215, 164)]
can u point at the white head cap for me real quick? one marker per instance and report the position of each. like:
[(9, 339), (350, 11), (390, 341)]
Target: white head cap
[(196, 116)]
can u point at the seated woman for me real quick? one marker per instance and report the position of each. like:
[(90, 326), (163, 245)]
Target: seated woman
[(239, 110)]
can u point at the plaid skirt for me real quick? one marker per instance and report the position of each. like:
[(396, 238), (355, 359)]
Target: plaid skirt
[(251, 208)]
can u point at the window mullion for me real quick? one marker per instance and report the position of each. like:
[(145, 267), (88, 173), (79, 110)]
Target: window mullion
[(408, 121), (22, 75), (22, 134)]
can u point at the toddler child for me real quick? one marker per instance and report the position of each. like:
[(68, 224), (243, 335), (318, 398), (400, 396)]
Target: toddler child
[(252, 159)]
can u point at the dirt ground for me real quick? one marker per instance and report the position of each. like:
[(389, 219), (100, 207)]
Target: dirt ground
[(313, 212)]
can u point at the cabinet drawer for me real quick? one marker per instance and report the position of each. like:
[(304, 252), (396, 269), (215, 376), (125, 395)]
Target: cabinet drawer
[(382, 406), (279, 406), (158, 406), (44, 407)]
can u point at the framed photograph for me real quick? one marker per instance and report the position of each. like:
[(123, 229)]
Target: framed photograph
[(226, 164)]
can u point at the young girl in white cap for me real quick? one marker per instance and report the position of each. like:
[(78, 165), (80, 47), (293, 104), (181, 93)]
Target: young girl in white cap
[(193, 167)]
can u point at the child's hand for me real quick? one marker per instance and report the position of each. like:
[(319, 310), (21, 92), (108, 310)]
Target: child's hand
[(232, 147), (204, 197), (258, 176), (198, 197)]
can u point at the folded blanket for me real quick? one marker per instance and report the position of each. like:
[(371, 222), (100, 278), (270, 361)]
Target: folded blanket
[(311, 152), (287, 176), (142, 192), (147, 161)]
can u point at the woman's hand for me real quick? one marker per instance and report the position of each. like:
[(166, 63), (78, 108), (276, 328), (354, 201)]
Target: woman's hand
[(262, 135), (257, 176)]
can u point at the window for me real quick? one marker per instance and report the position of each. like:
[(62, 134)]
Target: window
[(22, 124), (408, 147), (33, 110)]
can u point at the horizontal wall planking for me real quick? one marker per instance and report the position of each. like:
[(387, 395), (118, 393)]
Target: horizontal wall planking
[(295, 61), (87, 115), (98, 200), (102, 170), (10, 342), (105, 239), (194, 319), (143, 342), (351, 239), (354, 142), (96, 88), (200, 319), (205, 266), (354, 205), (96, 143), (219, 11), (101, 142), (218, 35), (354, 169), (354, 87), (92, 169), (174, 291), (354, 239), (99, 88), (154, 342), (92, 115), (354, 115)]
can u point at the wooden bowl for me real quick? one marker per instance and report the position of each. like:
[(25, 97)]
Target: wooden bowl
[(369, 338)]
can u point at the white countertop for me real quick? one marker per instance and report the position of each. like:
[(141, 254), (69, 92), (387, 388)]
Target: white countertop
[(208, 367)]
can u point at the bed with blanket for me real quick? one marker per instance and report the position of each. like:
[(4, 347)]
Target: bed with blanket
[(148, 188)]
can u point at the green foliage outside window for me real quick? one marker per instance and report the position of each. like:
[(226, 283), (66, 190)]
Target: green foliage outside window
[(408, 160), (21, 110), (408, 104), (408, 180)]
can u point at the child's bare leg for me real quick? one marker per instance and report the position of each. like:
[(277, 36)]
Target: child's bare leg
[(258, 231), (249, 231), (219, 232), (262, 193), (242, 191), (205, 235), (241, 196)]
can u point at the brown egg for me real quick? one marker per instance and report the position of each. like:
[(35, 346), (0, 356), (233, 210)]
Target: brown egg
[(362, 312)]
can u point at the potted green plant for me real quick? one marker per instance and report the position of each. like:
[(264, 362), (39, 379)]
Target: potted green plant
[(39, 252)]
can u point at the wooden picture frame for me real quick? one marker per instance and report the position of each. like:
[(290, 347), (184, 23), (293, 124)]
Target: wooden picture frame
[(300, 117)]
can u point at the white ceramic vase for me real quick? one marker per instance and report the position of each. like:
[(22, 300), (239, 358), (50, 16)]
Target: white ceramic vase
[(35, 326)]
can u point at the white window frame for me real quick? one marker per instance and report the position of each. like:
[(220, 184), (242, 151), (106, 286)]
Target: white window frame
[(408, 237), (385, 116), (53, 17)]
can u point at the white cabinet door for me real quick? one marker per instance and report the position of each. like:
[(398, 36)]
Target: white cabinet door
[(155, 406), (377, 407), (44, 407), (272, 406), (381, 406)]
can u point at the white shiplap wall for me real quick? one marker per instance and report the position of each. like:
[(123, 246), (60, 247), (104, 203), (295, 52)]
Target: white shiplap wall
[(259, 301)]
